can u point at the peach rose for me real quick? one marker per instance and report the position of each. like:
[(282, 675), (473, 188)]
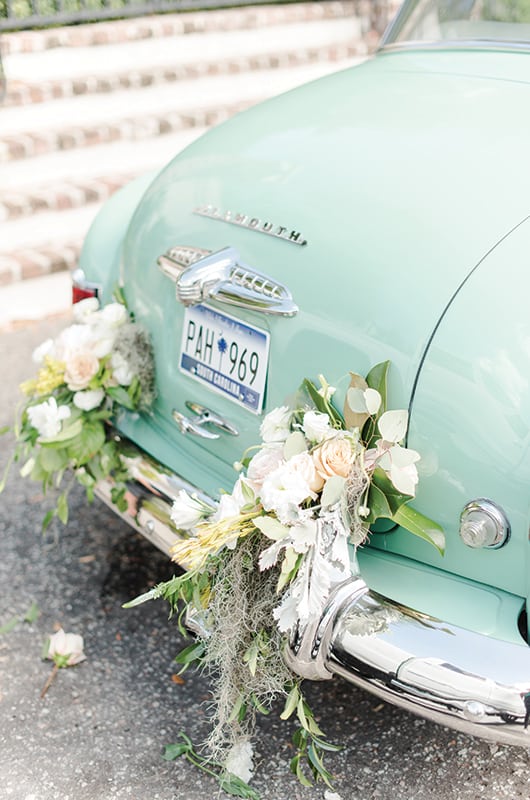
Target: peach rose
[(334, 457), (81, 367)]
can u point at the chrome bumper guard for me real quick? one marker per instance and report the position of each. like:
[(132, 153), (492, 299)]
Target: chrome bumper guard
[(464, 680)]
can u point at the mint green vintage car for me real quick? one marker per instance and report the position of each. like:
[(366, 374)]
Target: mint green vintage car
[(379, 213)]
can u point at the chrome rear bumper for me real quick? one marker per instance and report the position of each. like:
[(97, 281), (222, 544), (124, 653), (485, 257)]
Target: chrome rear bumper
[(465, 680)]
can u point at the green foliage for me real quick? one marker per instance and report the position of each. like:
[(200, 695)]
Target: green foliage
[(228, 782)]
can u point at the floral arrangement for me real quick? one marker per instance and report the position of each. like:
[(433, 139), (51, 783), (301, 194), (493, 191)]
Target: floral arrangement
[(96, 367), (264, 561)]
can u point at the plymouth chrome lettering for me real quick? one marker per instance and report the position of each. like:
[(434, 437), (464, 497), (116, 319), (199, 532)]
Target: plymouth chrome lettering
[(251, 223)]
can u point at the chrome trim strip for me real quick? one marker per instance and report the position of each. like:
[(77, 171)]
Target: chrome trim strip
[(456, 44), (458, 678)]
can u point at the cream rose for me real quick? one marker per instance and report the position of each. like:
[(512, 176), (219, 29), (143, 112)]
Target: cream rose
[(334, 457), (80, 369)]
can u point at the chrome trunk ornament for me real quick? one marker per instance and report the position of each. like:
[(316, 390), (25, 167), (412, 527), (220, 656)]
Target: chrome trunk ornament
[(201, 275)]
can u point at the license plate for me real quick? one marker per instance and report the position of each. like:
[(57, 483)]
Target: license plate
[(225, 354)]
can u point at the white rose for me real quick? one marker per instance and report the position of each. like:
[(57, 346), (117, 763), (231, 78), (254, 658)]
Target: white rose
[(47, 348), (304, 465), (121, 370), (47, 417), (81, 367), (85, 309), (66, 644), (316, 426), (113, 315), (89, 399), (276, 425), (262, 464), (188, 511)]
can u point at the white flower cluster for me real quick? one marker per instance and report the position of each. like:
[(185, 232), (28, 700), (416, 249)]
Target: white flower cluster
[(81, 348), (297, 477)]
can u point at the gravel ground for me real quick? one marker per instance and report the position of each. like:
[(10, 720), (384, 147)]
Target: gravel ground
[(99, 732)]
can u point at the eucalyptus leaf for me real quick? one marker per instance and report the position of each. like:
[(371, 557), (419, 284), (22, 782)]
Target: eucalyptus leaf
[(271, 528), (352, 418), (333, 490), (294, 444)]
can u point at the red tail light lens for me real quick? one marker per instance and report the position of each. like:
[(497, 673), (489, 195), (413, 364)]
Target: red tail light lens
[(82, 288)]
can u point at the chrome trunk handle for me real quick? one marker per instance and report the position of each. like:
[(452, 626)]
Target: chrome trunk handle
[(204, 416)]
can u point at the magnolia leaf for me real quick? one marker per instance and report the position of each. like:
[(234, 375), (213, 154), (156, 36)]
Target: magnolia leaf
[(354, 419), (417, 523), (271, 528), (333, 490), (69, 431), (377, 379), (394, 498), (378, 505), (393, 425), (294, 444), (321, 404)]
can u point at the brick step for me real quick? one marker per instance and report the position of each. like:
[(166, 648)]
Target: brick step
[(167, 25), (48, 242), (23, 92), (64, 179), (28, 263), (60, 196), (26, 131)]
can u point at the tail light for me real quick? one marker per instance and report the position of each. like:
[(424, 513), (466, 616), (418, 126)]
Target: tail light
[(82, 288)]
